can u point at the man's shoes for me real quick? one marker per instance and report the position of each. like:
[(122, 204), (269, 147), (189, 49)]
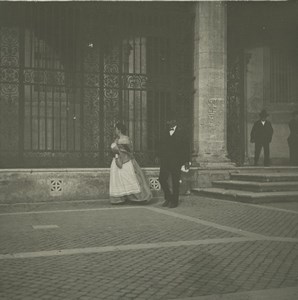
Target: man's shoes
[(166, 203), (173, 205)]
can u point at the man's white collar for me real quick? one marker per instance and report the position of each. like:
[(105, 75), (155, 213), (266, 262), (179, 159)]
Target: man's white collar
[(173, 130)]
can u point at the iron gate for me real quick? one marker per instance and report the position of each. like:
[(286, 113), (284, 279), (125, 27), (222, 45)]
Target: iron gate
[(70, 71)]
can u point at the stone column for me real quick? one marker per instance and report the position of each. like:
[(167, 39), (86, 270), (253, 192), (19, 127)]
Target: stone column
[(210, 72)]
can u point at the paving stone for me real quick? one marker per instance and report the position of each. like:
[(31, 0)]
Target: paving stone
[(161, 273)]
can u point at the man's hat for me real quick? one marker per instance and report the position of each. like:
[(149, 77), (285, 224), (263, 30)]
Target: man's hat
[(263, 113)]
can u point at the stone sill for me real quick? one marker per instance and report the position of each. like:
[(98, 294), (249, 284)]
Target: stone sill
[(152, 169), (65, 170)]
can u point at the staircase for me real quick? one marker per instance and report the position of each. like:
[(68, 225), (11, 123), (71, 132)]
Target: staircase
[(256, 185)]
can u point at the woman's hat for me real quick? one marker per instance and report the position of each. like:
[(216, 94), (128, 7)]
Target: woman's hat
[(263, 113)]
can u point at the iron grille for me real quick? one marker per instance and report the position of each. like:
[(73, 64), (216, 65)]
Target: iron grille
[(72, 70)]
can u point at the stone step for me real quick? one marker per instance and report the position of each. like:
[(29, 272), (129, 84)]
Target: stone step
[(256, 186), (261, 169), (246, 196), (265, 177)]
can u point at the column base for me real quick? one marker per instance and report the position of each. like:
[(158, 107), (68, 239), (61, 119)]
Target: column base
[(217, 165), (212, 162)]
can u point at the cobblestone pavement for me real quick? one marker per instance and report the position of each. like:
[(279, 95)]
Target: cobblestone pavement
[(286, 205), (203, 249)]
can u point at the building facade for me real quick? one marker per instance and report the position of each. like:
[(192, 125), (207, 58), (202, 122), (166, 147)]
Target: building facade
[(69, 71)]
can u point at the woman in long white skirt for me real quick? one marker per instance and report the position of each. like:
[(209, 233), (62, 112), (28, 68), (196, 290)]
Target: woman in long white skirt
[(127, 180)]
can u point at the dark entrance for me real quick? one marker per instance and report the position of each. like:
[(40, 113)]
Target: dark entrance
[(70, 71)]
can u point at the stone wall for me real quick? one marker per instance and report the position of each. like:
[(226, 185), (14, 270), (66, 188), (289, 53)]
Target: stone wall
[(52, 185), (39, 185)]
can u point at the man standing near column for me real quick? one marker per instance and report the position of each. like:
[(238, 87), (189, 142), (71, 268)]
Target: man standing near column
[(261, 135), (173, 154)]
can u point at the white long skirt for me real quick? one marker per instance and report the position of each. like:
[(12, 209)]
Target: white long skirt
[(123, 181)]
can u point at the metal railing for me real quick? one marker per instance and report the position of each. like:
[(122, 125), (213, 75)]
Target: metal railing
[(75, 69)]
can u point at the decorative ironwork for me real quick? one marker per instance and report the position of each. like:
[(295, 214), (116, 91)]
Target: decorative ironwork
[(111, 67), (235, 102), (44, 77), (9, 92), (9, 95), (135, 81), (111, 81), (77, 72), (110, 94), (92, 107), (9, 49), (111, 61), (9, 75), (91, 60), (91, 80), (92, 111)]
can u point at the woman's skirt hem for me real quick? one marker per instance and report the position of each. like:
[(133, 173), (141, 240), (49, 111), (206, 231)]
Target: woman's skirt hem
[(129, 184)]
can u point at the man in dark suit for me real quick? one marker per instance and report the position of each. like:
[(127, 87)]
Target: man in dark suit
[(173, 154), (261, 135)]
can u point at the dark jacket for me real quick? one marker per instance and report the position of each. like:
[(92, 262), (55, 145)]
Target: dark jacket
[(293, 137), (174, 150), (261, 133)]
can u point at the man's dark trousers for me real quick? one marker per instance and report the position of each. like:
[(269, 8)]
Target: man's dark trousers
[(261, 135), (173, 153), (258, 148), (167, 171)]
